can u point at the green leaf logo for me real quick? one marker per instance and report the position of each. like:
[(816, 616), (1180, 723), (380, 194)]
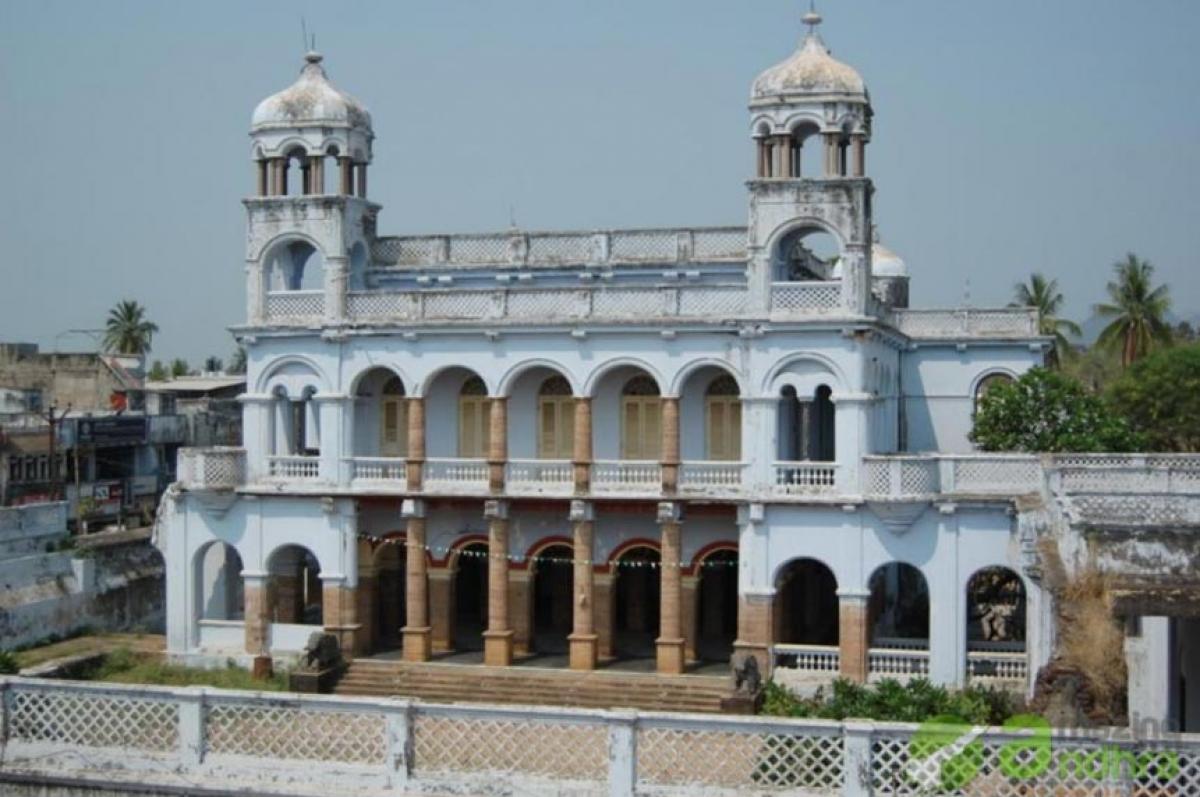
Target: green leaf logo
[(944, 753)]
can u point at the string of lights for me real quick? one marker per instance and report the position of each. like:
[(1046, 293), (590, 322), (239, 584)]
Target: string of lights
[(443, 551)]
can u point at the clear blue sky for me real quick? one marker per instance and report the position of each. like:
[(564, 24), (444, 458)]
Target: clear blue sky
[(1027, 135)]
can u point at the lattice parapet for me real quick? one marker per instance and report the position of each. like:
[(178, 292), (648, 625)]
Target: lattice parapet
[(794, 760), (1014, 322), (212, 468), (805, 298), (94, 719), (461, 744), (280, 731)]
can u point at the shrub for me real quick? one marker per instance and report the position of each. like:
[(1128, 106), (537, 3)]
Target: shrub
[(8, 663), (915, 701)]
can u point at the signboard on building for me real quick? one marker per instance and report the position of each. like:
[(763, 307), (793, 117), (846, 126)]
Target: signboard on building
[(108, 495), (115, 431)]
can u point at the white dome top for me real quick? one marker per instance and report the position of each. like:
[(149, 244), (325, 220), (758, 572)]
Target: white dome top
[(311, 100), (810, 70), (884, 263)]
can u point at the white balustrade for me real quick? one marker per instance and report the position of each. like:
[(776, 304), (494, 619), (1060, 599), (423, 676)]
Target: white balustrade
[(1016, 322), (293, 468), (897, 663), (540, 476), (973, 474), (818, 659), (626, 476), (804, 478), (711, 477), (456, 475), (379, 471), (988, 666)]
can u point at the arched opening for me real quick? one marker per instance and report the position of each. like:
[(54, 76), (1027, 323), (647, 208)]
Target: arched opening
[(219, 591), (330, 178), (295, 266), (552, 575), (641, 419), (806, 254), (898, 610), (296, 430), (716, 605), (996, 611), (637, 592), (470, 597), (987, 384), (457, 415), (806, 426), (710, 416), (807, 151), (806, 604), (295, 595), (390, 596), (474, 427), (380, 416), (556, 419), (296, 173)]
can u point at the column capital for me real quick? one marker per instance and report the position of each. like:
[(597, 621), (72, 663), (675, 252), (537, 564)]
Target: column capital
[(412, 508), (751, 513), (582, 511), (495, 510), (669, 512)]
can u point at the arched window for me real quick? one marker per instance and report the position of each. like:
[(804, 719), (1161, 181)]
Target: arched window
[(641, 420), (806, 426), (474, 430), (805, 255), (723, 420), (556, 419), (296, 173), (393, 428), (987, 383), (899, 607)]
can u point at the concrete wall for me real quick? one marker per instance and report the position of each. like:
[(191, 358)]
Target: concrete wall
[(28, 529)]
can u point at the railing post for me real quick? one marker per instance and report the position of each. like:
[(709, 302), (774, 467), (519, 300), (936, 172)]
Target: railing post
[(856, 758), (191, 726), (400, 743), (5, 701), (622, 753), (946, 484)]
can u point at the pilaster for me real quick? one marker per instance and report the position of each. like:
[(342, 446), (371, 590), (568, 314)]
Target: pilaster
[(417, 632), (854, 635), (670, 643), (498, 639), (583, 639)]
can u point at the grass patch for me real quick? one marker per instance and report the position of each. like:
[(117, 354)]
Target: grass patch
[(124, 666), (891, 701)]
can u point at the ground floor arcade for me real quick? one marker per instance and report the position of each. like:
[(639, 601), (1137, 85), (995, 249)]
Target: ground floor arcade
[(588, 584)]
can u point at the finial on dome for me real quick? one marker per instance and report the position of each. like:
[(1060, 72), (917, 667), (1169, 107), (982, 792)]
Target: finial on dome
[(313, 57), (812, 19)]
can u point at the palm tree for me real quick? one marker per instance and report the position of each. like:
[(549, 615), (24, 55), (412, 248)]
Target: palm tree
[(1044, 296), (1138, 310), (127, 331)]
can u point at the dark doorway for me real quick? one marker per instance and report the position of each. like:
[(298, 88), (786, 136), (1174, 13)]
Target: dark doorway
[(470, 597), (636, 604), (716, 606), (552, 605), (806, 604)]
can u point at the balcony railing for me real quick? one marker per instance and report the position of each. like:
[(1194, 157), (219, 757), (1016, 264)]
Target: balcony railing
[(300, 307), (807, 659), (997, 666), (805, 298), (1015, 322), (897, 663), (294, 468), (711, 477), (540, 476), (212, 468), (456, 475), (972, 474), (804, 478), (626, 476), (379, 472)]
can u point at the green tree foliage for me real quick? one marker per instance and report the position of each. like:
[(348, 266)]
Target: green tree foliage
[(1044, 296), (158, 372), (127, 330), (237, 363), (1047, 411), (179, 367), (1137, 309), (1096, 367), (1160, 395), (890, 701), (213, 365)]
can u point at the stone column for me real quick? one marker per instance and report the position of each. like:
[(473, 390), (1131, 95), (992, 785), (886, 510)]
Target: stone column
[(285, 599), (520, 610), (670, 444), (858, 161), (347, 175), (338, 613), (257, 618), (281, 170), (854, 635), (670, 627), (831, 148), (417, 632), (689, 611), (368, 592), (497, 443), (602, 612), (756, 628), (785, 145), (262, 173), (582, 455), (316, 170), (761, 150), (498, 639), (415, 461), (441, 609), (583, 638)]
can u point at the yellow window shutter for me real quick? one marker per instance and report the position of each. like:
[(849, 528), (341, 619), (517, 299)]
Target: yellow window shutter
[(735, 429), (547, 429), (566, 428), (652, 434), (715, 431), (468, 429)]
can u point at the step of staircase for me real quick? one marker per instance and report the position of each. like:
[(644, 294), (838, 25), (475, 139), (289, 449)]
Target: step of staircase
[(467, 683)]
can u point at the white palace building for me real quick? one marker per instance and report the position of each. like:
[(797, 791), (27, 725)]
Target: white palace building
[(673, 446)]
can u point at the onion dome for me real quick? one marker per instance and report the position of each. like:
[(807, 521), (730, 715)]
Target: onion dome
[(312, 101), (810, 71), (884, 263)]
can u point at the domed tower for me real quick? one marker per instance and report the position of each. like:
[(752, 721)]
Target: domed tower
[(811, 102), (310, 223)]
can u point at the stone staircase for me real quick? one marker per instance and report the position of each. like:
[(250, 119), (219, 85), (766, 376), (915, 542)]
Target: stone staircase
[(464, 683)]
